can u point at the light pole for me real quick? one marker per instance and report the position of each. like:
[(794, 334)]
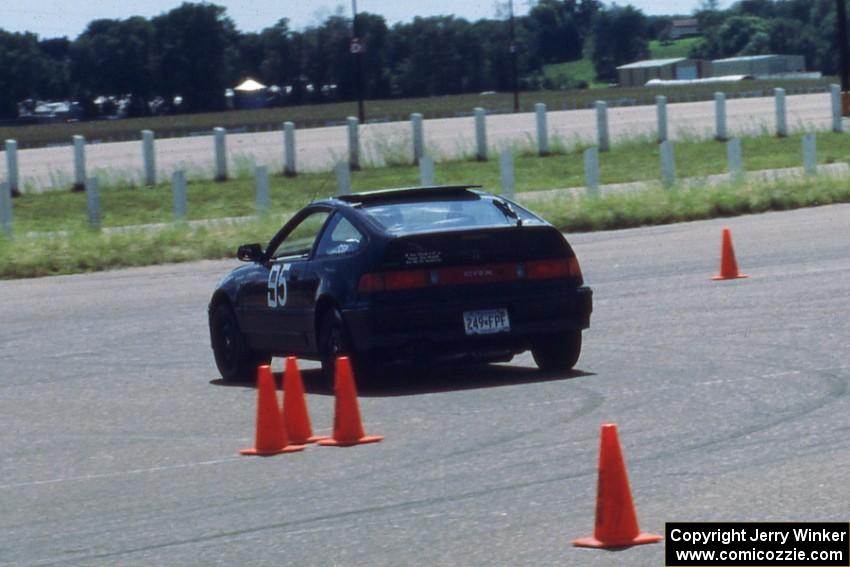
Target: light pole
[(841, 19), (357, 49), (513, 56)]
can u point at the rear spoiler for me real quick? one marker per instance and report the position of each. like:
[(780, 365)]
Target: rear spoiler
[(409, 192)]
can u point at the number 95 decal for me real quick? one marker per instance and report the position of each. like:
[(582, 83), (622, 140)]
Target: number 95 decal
[(277, 285)]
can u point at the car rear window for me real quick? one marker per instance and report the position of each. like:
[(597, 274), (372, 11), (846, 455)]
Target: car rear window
[(422, 216)]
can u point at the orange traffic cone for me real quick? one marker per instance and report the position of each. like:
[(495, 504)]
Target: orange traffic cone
[(295, 417), (616, 520), (728, 264), (348, 430), (271, 435)]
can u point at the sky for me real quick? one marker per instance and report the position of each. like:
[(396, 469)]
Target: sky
[(54, 18)]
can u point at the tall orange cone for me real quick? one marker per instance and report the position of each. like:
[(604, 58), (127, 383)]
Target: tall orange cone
[(295, 417), (616, 519), (348, 429), (728, 264), (270, 438)]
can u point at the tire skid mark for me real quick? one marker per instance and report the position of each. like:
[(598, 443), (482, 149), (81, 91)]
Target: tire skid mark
[(837, 390), (117, 473), (300, 524)]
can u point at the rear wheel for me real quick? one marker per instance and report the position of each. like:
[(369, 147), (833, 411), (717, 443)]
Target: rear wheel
[(558, 352), (235, 360), (334, 341)]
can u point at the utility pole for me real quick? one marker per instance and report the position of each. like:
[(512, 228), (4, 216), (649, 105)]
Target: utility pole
[(357, 48), (513, 56), (845, 60)]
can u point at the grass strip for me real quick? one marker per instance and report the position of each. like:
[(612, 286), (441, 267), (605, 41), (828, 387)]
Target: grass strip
[(634, 160), (84, 250)]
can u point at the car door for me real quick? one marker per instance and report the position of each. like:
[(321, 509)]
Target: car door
[(285, 319)]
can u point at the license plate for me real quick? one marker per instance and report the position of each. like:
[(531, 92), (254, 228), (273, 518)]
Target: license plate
[(486, 322)]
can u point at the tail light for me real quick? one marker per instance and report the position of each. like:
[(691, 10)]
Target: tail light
[(376, 282), (548, 269), (392, 281)]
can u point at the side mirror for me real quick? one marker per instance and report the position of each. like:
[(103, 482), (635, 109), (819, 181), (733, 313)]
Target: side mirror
[(250, 253)]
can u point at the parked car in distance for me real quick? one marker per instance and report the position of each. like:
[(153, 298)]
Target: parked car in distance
[(424, 275)]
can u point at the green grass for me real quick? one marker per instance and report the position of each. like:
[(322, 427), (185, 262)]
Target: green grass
[(664, 206), (674, 48), (85, 250), (51, 235), (569, 75), (387, 110), (635, 160)]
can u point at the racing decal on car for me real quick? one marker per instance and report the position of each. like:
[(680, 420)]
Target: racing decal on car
[(277, 291)]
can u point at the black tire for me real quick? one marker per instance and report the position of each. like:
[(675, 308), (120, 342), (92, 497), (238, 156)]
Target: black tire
[(558, 352), (335, 341), (235, 361)]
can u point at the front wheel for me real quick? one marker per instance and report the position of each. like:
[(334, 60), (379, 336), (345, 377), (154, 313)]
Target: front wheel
[(558, 352), (235, 361)]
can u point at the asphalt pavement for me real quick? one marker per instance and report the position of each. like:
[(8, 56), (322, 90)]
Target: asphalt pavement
[(118, 444)]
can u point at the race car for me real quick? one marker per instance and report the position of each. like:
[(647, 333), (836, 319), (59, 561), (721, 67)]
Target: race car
[(423, 275)]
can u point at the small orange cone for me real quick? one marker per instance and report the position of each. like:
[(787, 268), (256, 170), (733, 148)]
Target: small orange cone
[(728, 264), (616, 520), (271, 435), (348, 429), (295, 417)]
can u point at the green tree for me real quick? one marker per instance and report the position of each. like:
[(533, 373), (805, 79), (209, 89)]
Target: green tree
[(554, 31), (194, 55), (620, 36), (113, 57), (22, 66)]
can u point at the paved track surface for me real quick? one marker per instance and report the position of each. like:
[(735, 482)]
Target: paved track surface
[(321, 147), (118, 445)]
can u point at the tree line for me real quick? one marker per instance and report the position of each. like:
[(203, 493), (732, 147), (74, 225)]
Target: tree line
[(195, 51), (755, 27)]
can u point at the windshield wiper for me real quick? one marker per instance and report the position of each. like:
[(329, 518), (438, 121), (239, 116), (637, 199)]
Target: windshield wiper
[(507, 210)]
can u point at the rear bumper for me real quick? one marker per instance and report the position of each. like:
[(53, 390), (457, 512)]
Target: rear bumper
[(437, 328)]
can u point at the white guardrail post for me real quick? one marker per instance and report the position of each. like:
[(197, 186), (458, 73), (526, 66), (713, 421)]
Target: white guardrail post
[(810, 155), (178, 193), (781, 114), (603, 139), (480, 134), (6, 209), (661, 115), (220, 142), (261, 174), (506, 169), (149, 157), (289, 169), (720, 117), (13, 177), (668, 164), (426, 171), (591, 171), (418, 137), (835, 96), (734, 159), (353, 143), (93, 201), (542, 129), (343, 179), (79, 164)]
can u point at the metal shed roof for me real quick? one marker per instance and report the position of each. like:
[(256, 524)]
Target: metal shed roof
[(649, 63), (744, 58)]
